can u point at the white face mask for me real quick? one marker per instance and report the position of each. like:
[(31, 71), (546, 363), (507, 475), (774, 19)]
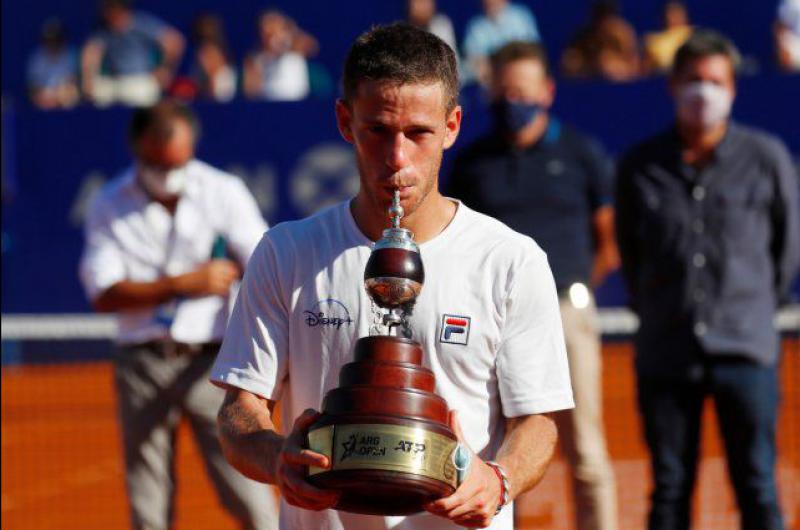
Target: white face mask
[(703, 104), (163, 184)]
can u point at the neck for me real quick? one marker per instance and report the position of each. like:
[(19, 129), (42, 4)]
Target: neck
[(426, 222), (699, 142), (531, 133)]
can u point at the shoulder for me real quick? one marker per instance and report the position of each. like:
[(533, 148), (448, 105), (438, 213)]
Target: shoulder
[(441, 20), (572, 138), (496, 240), (146, 20), (516, 9), (767, 146), (476, 24), (114, 194), (214, 179), (483, 146), (648, 150), (289, 235)]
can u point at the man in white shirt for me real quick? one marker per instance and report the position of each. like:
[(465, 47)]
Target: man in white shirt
[(302, 306), (156, 237)]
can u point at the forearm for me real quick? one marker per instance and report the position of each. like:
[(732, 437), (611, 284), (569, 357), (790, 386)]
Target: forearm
[(172, 46), (527, 450), (247, 435), (606, 257), (91, 57), (128, 295)]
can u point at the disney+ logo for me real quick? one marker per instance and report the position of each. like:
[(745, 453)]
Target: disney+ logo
[(328, 313)]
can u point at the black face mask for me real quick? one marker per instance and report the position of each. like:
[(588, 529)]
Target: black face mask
[(514, 116)]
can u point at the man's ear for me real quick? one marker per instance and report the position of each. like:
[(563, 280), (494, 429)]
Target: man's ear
[(550, 94), (453, 127), (344, 120)]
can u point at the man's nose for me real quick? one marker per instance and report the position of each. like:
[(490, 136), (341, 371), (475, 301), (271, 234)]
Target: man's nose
[(396, 156)]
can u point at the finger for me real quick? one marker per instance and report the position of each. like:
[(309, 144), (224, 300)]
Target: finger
[(477, 506), (462, 495), (304, 420), (304, 503), (305, 457), (308, 493), (478, 521)]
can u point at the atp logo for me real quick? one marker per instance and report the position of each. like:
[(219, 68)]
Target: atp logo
[(455, 329)]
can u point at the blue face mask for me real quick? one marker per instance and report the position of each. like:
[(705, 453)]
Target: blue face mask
[(514, 115)]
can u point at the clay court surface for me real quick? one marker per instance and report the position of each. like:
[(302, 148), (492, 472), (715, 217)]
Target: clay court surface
[(62, 468)]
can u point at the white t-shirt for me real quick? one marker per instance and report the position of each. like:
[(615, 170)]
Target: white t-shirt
[(130, 237), (302, 306), (284, 77)]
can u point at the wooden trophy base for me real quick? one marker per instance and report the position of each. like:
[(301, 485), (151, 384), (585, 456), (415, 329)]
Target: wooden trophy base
[(385, 432)]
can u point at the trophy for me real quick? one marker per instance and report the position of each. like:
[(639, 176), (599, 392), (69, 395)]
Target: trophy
[(383, 429)]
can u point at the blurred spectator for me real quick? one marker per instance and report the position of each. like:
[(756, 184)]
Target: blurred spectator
[(422, 14), (660, 47), (131, 59), (501, 22), (548, 181), (278, 70), (165, 242), (709, 232), (212, 71), (607, 47), (53, 69), (787, 35)]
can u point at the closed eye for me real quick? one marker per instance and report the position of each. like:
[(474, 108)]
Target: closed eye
[(419, 133)]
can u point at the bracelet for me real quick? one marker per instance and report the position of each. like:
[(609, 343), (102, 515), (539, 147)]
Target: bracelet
[(504, 485)]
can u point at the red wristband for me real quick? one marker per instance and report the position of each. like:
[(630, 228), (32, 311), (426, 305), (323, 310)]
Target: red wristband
[(501, 476)]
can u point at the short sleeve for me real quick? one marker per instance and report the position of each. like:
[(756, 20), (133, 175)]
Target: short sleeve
[(149, 25), (531, 29), (600, 171), (244, 224), (102, 263), (532, 366), (255, 351)]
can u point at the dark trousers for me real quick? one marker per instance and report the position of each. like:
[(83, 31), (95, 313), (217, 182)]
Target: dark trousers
[(746, 399)]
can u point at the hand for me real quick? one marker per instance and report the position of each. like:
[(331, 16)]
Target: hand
[(292, 464), (213, 278), (605, 262), (475, 502), (163, 75)]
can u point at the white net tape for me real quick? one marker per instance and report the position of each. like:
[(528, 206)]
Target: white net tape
[(613, 321)]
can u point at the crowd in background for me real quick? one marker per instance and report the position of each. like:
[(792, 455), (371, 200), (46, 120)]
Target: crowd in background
[(134, 57)]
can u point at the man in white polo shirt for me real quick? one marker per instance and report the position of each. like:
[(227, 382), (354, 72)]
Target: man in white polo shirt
[(156, 241), (502, 374)]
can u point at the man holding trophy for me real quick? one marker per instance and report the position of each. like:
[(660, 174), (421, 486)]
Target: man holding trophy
[(428, 334)]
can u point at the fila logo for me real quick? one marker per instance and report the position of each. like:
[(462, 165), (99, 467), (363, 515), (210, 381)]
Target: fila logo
[(455, 329)]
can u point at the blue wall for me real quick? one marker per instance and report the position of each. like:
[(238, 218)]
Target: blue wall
[(290, 155)]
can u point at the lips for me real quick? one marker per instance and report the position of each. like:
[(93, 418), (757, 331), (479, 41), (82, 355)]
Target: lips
[(405, 191)]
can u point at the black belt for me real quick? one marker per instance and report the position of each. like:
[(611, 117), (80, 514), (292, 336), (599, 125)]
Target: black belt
[(169, 348)]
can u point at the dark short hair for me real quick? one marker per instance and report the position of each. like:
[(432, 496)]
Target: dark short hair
[(402, 54), (159, 119), (705, 43), (518, 50)]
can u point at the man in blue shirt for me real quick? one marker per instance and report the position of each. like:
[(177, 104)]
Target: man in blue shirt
[(53, 69), (544, 179), (502, 22), (709, 233), (131, 59)]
